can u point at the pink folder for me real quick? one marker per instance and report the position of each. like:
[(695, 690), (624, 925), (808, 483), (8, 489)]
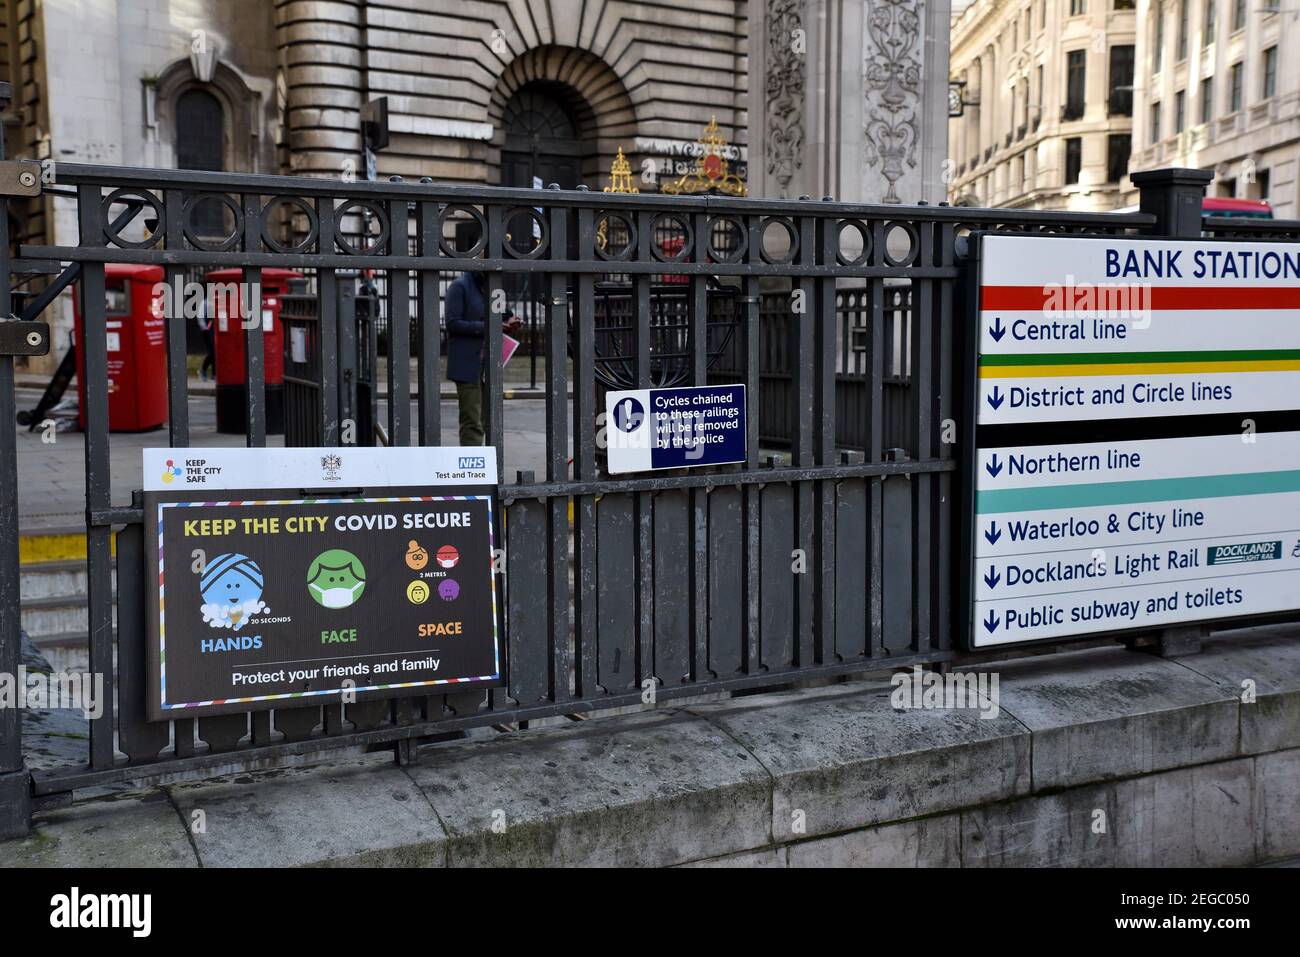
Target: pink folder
[(508, 347)]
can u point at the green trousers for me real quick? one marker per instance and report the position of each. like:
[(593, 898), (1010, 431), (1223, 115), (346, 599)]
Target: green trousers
[(469, 399)]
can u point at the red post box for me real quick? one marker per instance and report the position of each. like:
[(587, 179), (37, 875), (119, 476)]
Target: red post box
[(225, 304), (137, 349)]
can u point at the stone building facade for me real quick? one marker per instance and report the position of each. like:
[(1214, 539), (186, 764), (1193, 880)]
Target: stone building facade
[(835, 97), (1221, 92), (848, 99), (467, 82), (1047, 103), (498, 93)]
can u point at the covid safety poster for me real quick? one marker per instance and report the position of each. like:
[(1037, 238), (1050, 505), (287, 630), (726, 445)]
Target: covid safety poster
[(287, 577)]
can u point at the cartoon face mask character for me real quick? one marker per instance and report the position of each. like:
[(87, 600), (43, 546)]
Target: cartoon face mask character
[(448, 556), (416, 557), (336, 578), (231, 588)]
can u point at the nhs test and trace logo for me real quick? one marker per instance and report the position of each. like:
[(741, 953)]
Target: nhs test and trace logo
[(478, 462)]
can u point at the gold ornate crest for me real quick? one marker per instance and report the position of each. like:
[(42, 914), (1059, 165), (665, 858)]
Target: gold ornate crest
[(620, 181), (711, 172), (620, 175)]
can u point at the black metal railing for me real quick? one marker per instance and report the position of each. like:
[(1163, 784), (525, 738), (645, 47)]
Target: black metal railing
[(838, 318)]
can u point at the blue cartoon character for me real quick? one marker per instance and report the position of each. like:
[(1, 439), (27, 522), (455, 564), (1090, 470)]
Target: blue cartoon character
[(231, 587)]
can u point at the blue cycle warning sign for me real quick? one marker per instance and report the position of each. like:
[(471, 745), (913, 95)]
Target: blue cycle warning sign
[(648, 429)]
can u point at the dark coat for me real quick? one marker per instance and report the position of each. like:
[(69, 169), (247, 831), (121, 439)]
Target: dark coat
[(464, 311)]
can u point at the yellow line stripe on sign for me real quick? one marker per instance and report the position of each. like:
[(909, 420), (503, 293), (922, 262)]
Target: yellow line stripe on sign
[(1136, 368)]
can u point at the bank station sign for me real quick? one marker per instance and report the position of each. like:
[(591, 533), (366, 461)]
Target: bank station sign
[(295, 576), (1136, 462)]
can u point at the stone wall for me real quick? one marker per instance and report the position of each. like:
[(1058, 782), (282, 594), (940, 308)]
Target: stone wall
[(1102, 757)]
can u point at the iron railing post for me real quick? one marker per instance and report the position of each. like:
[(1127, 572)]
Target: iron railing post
[(15, 782), (1174, 197)]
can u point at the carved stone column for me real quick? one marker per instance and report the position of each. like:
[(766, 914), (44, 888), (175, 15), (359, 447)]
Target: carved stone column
[(848, 98), (321, 46)]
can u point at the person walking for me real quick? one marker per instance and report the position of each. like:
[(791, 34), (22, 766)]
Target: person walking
[(465, 312)]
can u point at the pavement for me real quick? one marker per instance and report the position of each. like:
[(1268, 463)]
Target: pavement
[(1098, 757), (51, 474)]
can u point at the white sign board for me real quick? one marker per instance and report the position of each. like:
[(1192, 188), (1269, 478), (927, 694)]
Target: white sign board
[(1181, 518), (170, 470), (1107, 536), (1076, 329)]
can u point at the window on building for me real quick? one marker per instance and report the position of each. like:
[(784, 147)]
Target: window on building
[(200, 144), (1182, 29), (1076, 65), (1118, 148), (1238, 15), (1158, 48), (1155, 122), (1073, 159), (1235, 80), (1119, 101), (1042, 15), (1180, 111), (1038, 79), (1207, 99), (1029, 23), (1077, 8), (200, 126), (1125, 4), (1270, 72), (1207, 28), (1261, 184)]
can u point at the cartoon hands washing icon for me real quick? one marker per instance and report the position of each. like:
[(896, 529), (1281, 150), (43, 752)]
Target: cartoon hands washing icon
[(231, 588)]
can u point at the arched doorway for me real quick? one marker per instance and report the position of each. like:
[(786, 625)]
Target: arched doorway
[(542, 143)]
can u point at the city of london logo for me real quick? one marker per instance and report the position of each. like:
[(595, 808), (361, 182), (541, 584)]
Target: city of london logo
[(330, 465)]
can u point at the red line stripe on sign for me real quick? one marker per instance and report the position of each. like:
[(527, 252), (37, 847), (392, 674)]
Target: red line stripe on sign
[(1105, 297)]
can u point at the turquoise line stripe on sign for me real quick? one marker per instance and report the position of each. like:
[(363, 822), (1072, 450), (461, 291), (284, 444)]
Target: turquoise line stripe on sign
[(1145, 490)]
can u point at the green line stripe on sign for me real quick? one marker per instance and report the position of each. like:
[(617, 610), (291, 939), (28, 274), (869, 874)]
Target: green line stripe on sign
[(1124, 493), (1105, 358)]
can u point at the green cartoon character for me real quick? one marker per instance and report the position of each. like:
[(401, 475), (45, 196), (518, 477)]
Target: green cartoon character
[(336, 578)]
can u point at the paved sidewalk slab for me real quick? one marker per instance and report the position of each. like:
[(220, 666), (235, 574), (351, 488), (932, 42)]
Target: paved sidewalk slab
[(637, 791), (844, 758), (1267, 664), (1109, 713), (136, 830), (367, 813)]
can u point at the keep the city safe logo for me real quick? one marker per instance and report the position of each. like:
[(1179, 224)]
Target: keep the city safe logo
[(336, 578)]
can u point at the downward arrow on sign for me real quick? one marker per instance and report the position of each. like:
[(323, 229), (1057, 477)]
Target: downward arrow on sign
[(997, 330), (993, 465), (991, 577), (995, 398), (991, 622)]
